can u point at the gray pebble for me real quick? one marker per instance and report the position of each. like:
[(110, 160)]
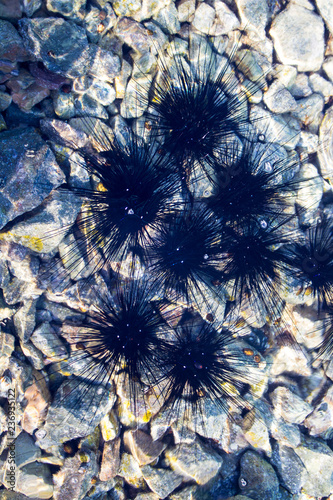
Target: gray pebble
[(279, 99), (35, 480), (289, 405), (26, 450), (64, 105), (289, 466), (85, 105), (11, 44), (167, 18), (186, 9), (161, 481), (49, 343), (105, 65), (301, 86), (204, 18), (318, 460), (228, 20), (294, 42), (142, 447), (257, 478), (275, 128), (24, 319), (28, 172), (61, 45), (309, 111), (195, 461), (5, 100), (67, 8), (328, 67), (134, 35), (30, 6), (325, 8), (254, 15), (321, 85)]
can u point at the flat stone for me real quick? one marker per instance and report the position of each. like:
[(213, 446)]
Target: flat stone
[(142, 447), (61, 45), (161, 481), (25, 450), (275, 128), (257, 478), (320, 421), (38, 397), (24, 320), (228, 20), (278, 99), (256, 432), (294, 43), (254, 15), (134, 35), (167, 18), (290, 467), (30, 6), (27, 99), (45, 338), (328, 68), (204, 18), (110, 460), (325, 8), (104, 65), (318, 460), (11, 46), (284, 433), (67, 8), (194, 461), (130, 471), (289, 405), (309, 111), (321, 85), (35, 480)]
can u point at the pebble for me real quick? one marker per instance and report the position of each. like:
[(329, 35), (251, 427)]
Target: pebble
[(290, 467), (142, 447), (136, 100), (317, 457), (13, 49), (328, 68), (124, 8), (110, 460), (278, 99), (320, 421), (194, 461), (204, 18), (289, 405), (284, 433), (67, 8), (325, 8), (25, 450), (5, 101), (130, 471), (35, 480), (24, 320), (135, 35), (325, 151), (64, 105), (309, 111), (161, 481), (301, 86), (45, 338), (104, 65), (11, 10), (186, 9), (275, 128), (228, 20), (257, 478), (285, 74), (167, 18), (102, 92), (38, 397), (61, 45), (85, 105), (256, 432), (294, 42), (254, 15), (30, 6), (321, 85)]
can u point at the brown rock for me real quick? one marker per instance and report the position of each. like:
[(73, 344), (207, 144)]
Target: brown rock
[(38, 397), (142, 447), (110, 460)]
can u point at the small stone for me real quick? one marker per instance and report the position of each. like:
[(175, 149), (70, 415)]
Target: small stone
[(308, 141), (12, 47), (38, 397), (279, 99), (275, 128), (134, 35), (291, 360), (104, 64), (136, 100), (247, 63), (130, 471), (142, 447), (61, 45), (186, 9), (301, 86), (30, 6), (204, 18), (318, 460), (328, 68), (284, 433), (97, 27), (309, 111), (24, 320), (254, 15), (294, 43), (124, 8), (167, 18), (289, 405), (49, 343), (325, 8), (321, 85), (87, 106), (64, 105), (11, 9), (228, 20), (35, 480), (256, 432), (289, 466), (102, 92), (310, 192), (161, 481), (67, 8), (25, 450), (120, 82), (285, 74), (110, 427), (257, 478), (5, 100), (110, 460), (194, 461), (320, 421), (26, 99)]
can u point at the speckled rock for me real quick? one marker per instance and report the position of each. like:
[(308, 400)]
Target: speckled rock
[(275, 128), (254, 15), (13, 49), (134, 35), (294, 43), (289, 405), (60, 44), (73, 480), (110, 460), (30, 6), (320, 421), (35, 480), (67, 8), (257, 478), (24, 319), (168, 19), (325, 8), (130, 471), (309, 111), (75, 412), (318, 460), (279, 99), (5, 100), (38, 397), (161, 481), (104, 65), (142, 447), (290, 467), (194, 461), (28, 173)]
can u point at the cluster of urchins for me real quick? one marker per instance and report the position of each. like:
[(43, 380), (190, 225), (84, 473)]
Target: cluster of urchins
[(207, 208)]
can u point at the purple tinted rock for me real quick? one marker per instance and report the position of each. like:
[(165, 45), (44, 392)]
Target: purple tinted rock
[(11, 44)]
